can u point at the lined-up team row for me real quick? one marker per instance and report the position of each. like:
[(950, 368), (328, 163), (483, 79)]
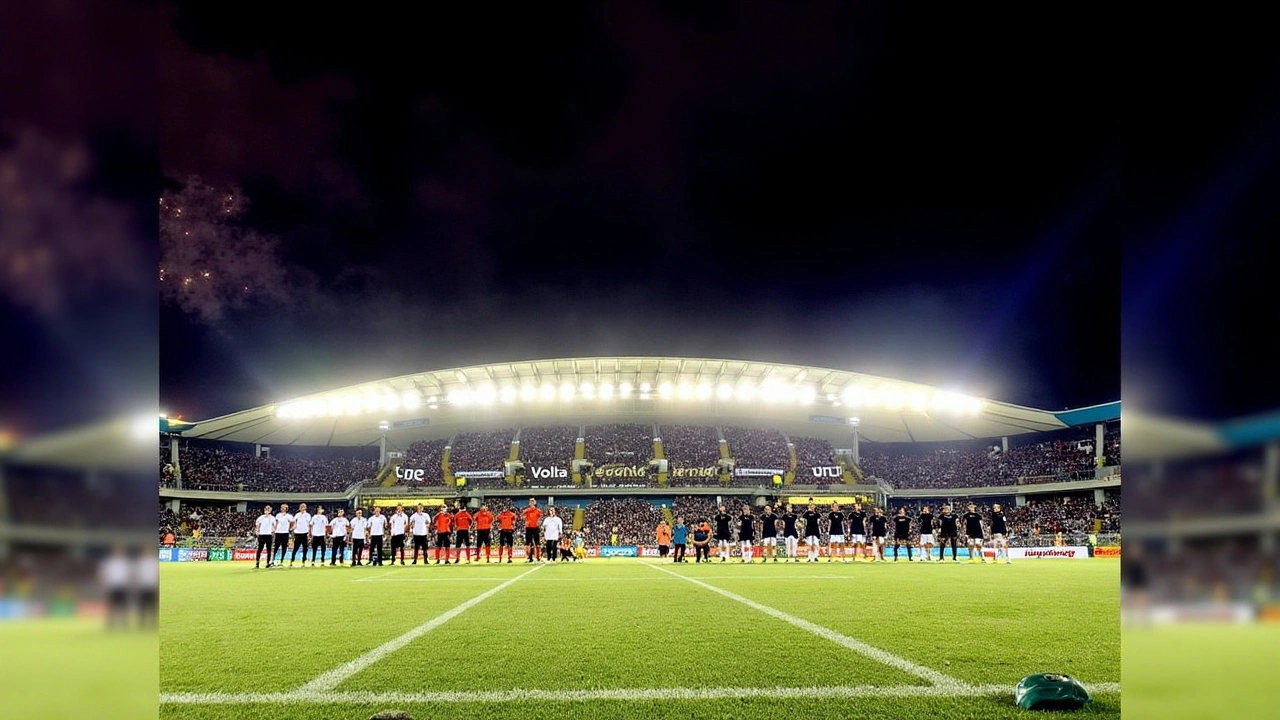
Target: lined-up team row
[(856, 531), (543, 533)]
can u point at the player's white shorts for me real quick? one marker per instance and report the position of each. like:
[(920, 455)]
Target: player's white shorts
[(811, 540), (858, 539), (926, 539), (878, 539), (771, 541), (837, 539), (998, 537)]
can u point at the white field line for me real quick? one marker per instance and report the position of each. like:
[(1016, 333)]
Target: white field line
[(920, 671), (627, 694), (331, 679), (563, 578)]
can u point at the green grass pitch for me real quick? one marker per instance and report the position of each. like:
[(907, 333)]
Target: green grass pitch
[(627, 638)]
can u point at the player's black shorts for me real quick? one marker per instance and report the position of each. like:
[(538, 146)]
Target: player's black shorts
[(723, 537), (397, 541), (506, 538), (531, 536), (420, 541), (483, 539), (791, 534), (282, 540), (462, 538), (746, 537), (975, 536), (442, 540)]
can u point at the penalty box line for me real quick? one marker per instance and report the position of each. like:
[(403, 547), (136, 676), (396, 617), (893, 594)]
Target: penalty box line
[(933, 676), (331, 679), (625, 694)]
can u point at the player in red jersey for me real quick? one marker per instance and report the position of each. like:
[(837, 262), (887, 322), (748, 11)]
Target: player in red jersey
[(532, 520), (444, 526), (462, 535), (506, 532), (484, 525)]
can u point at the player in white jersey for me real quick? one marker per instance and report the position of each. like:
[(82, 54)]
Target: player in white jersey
[(146, 586), (115, 573), (377, 529), (338, 533), (419, 526), (399, 523), (552, 527), (265, 527), (359, 535), (301, 534), (284, 526), (319, 527)]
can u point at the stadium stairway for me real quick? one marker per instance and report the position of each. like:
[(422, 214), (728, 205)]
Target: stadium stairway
[(789, 477), (666, 515), (514, 454), (386, 477), (579, 518), (449, 480), (659, 454)]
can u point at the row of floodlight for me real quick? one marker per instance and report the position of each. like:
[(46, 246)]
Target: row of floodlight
[(771, 392)]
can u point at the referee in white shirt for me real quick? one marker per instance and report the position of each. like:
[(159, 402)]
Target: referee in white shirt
[(319, 526), (377, 529), (338, 532), (399, 522), (552, 526), (301, 529), (359, 533), (284, 525), (419, 523), (116, 574), (265, 526)]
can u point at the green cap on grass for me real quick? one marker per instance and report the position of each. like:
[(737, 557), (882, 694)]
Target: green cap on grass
[(1049, 691)]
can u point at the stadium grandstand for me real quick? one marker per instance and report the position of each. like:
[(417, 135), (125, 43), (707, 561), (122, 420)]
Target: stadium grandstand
[(622, 442)]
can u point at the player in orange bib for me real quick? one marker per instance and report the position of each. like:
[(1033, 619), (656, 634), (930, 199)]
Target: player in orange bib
[(444, 524), (506, 532), (484, 525), (462, 535), (532, 539)]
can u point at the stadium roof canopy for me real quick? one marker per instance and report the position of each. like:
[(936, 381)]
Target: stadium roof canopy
[(801, 401)]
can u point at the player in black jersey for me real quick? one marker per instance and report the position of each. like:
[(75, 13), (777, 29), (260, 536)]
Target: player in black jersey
[(973, 532), (879, 531), (901, 533), (948, 531), (926, 534), (790, 534), (858, 532), (812, 531), (746, 533), (723, 536), (835, 534), (769, 534), (999, 532)]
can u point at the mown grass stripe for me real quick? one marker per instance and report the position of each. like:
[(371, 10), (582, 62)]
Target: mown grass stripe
[(887, 658), (627, 694), (331, 679)]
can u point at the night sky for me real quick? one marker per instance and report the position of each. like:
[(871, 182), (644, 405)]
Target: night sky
[(983, 199)]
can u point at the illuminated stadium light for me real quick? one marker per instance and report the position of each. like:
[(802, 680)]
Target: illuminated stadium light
[(746, 392), (548, 391), (606, 391), (528, 393), (411, 400), (665, 390), (769, 391), (507, 394), (919, 401), (645, 387), (567, 391), (724, 391), (831, 397), (704, 391), (684, 390), (432, 399), (624, 390), (852, 395), (807, 395), (645, 396), (389, 402), (588, 389), (894, 399), (370, 402), (973, 406), (486, 395)]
